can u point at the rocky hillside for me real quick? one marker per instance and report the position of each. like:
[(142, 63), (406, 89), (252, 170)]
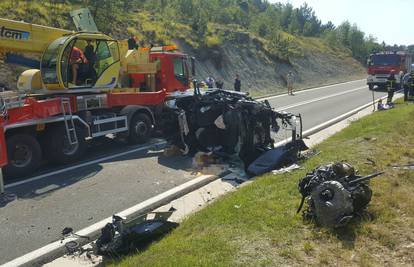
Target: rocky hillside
[(261, 58), (261, 73)]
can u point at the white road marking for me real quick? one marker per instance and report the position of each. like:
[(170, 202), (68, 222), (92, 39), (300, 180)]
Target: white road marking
[(319, 99), (99, 160), (309, 90)]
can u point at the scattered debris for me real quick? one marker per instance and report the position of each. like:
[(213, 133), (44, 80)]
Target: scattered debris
[(335, 194), (277, 157), (371, 162), (235, 177), (287, 169), (68, 232), (386, 106), (214, 169), (203, 159), (120, 236), (172, 150), (309, 153), (409, 166)]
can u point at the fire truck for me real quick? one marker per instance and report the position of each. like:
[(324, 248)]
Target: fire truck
[(53, 114), (381, 64)]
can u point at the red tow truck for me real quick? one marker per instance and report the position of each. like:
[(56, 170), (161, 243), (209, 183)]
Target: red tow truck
[(57, 127), (52, 116)]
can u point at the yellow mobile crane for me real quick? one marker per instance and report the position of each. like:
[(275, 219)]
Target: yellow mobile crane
[(55, 45), (117, 91), (111, 66)]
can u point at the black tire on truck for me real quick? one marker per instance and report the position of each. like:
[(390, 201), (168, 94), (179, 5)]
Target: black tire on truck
[(58, 149), (24, 155), (140, 129), (371, 86)]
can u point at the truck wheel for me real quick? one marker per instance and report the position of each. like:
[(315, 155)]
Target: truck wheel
[(140, 129), (371, 86), (58, 148), (24, 154)]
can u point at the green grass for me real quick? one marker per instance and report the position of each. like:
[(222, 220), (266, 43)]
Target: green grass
[(265, 231)]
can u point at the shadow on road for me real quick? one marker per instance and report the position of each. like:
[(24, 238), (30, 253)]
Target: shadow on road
[(43, 187)]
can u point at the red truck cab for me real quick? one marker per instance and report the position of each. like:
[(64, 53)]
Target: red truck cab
[(174, 73), (381, 64)]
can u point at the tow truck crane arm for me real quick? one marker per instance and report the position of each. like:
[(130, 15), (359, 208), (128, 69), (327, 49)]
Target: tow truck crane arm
[(23, 37)]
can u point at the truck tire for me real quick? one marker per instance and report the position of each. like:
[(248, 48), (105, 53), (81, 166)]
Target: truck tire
[(24, 155), (59, 150), (140, 129), (371, 87)]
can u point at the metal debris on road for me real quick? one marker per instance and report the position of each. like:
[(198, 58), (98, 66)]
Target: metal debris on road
[(277, 157), (335, 194), (404, 167), (287, 169), (121, 236)]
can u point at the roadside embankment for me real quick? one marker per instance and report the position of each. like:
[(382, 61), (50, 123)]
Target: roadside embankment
[(258, 225)]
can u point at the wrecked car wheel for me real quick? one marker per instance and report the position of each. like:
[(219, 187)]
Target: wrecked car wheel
[(140, 129)]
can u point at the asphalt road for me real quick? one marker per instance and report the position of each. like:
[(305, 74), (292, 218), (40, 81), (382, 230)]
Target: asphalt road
[(87, 194)]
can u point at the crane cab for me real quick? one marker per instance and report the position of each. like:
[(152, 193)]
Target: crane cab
[(81, 61)]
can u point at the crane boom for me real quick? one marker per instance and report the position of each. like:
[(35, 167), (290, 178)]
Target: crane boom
[(23, 37)]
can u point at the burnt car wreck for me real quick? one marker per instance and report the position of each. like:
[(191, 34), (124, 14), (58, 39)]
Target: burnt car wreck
[(232, 125), (335, 193)]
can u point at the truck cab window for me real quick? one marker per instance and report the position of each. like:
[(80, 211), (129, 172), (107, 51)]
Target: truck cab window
[(180, 70), (85, 60), (104, 57), (50, 60), (65, 68)]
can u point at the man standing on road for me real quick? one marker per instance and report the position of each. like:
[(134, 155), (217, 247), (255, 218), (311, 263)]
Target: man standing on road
[(237, 83), (289, 81)]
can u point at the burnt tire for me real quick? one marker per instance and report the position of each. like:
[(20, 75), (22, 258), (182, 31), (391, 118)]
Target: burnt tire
[(140, 129), (59, 150), (24, 155)]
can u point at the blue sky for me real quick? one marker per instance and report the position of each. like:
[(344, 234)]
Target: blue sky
[(389, 21)]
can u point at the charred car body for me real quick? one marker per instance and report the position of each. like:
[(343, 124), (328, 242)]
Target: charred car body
[(227, 123)]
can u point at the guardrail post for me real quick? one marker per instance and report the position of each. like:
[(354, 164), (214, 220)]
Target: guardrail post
[(373, 100)]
